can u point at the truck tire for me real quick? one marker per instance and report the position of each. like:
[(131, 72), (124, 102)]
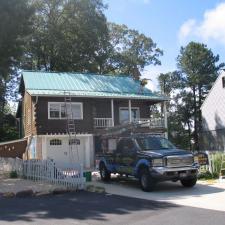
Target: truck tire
[(189, 182), (146, 181), (104, 173)]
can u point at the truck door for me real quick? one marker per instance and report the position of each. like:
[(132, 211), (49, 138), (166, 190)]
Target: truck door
[(126, 157)]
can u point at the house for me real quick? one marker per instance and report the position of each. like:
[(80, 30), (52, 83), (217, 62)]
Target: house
[(213, 117), (97, 102)]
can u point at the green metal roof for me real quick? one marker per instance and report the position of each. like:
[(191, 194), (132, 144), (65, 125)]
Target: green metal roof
[(85, 85)]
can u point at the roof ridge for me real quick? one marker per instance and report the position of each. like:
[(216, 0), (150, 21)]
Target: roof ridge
[(84, 73)]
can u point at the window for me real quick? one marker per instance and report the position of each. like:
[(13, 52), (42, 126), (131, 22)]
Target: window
[(124, 114), (74, 142), (223, 82), (154, 143), (57, 110), (125, 146), (128, 146), (55, 142), (54, 110)]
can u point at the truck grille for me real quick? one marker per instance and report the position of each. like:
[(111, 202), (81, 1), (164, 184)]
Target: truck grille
[(179, 161)]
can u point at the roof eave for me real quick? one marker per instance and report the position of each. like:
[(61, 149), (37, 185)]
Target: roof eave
[(159, 99)]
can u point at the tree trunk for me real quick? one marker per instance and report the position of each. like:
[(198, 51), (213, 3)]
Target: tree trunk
[(2, 102), (189, 135), (199, 106), (195, 119)]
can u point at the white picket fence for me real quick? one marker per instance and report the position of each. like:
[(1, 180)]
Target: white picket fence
[(46, 171)]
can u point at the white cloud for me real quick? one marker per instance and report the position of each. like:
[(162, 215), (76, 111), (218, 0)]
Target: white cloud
[(212, 27), (152, 73), (186, 29)]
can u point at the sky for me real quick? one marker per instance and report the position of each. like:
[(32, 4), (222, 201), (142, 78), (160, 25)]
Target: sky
[(172, 24)]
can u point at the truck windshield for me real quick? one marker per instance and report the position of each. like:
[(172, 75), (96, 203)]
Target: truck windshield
[(154, 143)]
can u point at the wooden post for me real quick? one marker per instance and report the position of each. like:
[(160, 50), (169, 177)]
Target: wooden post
[(112, 112), (129, 109), (165, 119)]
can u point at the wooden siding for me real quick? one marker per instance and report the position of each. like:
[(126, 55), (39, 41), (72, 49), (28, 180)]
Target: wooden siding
[(45, 125), (141, 104), (28, 112), (38, 122), (13, 149)]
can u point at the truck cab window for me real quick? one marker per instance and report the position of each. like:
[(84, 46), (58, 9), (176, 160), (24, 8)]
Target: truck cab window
[(128, 146)]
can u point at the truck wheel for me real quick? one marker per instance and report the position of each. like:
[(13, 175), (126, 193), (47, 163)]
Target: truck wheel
[(104, 173), (189, 182), (146, 181)]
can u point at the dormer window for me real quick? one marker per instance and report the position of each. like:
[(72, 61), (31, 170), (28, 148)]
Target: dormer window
[(223, 82)]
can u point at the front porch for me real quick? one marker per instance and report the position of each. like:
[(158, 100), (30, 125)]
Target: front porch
[(114, 112)]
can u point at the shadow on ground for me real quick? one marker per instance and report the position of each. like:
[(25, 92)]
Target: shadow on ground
[(79, 205)]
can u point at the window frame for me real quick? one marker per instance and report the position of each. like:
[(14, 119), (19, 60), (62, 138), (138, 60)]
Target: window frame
[(127, 108), (60, 108), (55, 142)]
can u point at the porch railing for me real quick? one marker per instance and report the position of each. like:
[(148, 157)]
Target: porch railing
[(152, 122), (147, 122), (103, 122)]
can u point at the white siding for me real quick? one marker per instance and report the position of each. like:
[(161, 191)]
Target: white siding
[(213, 108), (82, 153)]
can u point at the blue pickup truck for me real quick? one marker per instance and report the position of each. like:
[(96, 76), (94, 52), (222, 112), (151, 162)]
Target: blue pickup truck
[(149, 158)]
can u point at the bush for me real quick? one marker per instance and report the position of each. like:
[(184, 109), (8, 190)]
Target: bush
[(205, 175), (216, 164), (13, 174)]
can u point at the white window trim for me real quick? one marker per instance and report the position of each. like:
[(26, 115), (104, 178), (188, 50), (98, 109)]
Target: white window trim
[(138, 108), (54, 144), (63, 103)]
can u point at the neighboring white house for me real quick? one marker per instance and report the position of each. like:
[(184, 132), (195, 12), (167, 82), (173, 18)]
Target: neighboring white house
[(213, 116)]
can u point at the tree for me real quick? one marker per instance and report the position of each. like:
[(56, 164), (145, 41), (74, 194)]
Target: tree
[(199, 67), (169, 84), (132, 51), (14, 26), (68, 35)]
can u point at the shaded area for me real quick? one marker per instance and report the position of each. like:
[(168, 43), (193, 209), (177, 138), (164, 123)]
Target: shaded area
[(85, 208), (213, 140), (79, 206)]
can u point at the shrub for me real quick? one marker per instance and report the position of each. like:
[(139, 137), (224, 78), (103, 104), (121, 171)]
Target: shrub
[(205, 175), (13, 174), (216, 163)]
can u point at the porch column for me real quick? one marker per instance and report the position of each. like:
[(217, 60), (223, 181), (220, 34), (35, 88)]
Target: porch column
[(165, 118), (112, 112), (129, 109)]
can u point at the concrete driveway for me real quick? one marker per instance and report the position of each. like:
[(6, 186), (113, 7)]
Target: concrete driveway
[(203, 195)]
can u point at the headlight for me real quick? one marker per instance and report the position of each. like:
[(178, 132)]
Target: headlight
[(157, 162), (195, 159)]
